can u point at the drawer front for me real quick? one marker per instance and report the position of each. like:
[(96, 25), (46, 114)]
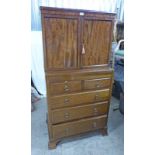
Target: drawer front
[(77, 76), (97, 83), (64, 87), (78, 98), (77, 127), (68, 114)]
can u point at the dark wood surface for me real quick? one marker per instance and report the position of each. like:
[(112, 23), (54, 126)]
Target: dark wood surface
[(74, 99), (78, 77), (78, 112), (97, 83), (61, 43), (64, 87), (96, 39), (76, 127)]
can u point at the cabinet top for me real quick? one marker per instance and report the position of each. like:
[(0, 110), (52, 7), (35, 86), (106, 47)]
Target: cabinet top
[(45, 9)]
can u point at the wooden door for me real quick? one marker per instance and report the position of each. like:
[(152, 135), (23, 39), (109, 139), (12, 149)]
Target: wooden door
[(96, 43), (60, 43)]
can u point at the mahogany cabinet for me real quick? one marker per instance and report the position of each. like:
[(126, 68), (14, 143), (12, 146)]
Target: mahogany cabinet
[(77, 45)]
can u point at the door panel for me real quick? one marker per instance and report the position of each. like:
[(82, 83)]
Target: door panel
[(61, 43), (96, 41)]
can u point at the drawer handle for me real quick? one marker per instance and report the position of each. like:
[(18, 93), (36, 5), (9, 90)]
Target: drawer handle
[(66, 100), (66, 88), (94, 125), (97, 96), (66, 115), (98, 85), (95, 111)]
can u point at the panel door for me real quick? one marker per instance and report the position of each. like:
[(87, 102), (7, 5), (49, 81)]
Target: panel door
[(96, 43), (61, 43)]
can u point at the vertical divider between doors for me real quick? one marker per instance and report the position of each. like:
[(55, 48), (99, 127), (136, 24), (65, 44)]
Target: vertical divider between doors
[(80, 40)]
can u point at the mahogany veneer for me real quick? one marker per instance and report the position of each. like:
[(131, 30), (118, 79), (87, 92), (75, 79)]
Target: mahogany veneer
[(77, 45)]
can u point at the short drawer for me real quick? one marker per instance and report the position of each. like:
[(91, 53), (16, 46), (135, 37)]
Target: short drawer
[(64, 87), (97, 83), (77, 127), (78, 112), (81, 98)]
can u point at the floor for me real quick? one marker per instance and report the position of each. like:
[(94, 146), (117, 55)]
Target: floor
[(89, 144)]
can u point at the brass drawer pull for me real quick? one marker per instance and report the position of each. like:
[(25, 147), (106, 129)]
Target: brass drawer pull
[(95, 111), (66, 100), (66, 88), (66, 115), (97, 85), (97, 96)]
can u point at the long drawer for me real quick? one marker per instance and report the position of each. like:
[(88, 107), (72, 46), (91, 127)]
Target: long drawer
[(74, 99), (77, 127), (77, 75), (78, 112)]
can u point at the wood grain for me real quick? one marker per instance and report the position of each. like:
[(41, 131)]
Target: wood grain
[(64, 87), (74, 99), (97, 83), (68, 114), (79, 85), (96, 39), (61, 43), (82, 74), (76, 127)]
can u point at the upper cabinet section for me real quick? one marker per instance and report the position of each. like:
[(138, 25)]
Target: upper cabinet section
[(75, 39)]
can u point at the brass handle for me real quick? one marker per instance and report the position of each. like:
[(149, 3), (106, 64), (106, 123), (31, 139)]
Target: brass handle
[(66, 100), (66, 88), (98, 85), (66, 115), (95, 111), (97, 97), (83, 49)]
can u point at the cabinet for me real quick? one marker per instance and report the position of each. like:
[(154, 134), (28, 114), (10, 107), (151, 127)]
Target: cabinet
[(77, 45)]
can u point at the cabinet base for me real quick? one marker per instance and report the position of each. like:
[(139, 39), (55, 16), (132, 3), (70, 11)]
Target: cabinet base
[(53, 144)]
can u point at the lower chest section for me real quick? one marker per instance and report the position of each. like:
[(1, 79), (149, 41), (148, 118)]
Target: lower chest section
[(78, 102)]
